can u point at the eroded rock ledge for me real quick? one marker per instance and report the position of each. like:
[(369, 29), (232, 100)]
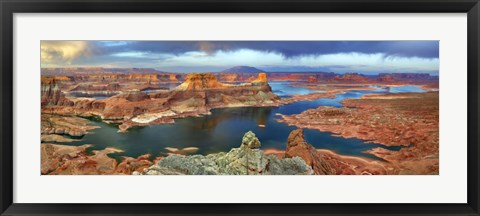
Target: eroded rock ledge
[(245, 160), (406, 119), (196, 96)]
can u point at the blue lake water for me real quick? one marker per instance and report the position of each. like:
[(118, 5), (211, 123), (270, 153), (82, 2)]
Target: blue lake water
[(284, 89), (401, 89), (224, 128)]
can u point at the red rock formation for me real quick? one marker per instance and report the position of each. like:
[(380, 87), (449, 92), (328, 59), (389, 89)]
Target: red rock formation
[(52, 95), (228, 77), (200, 81), (262, 78), (298, 147), (102, 87), (312, 79), (197, 95), (134, 96), (64, 125), (146, 77), (119, 77), (386, 79), (350, 78), (129, 164), (401, 119), (74, 160), (173, 77)]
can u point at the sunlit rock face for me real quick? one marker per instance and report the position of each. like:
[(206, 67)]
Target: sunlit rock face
[(246, 160), (196, 96), (262, 78), (298, 147), (204, 90), (200, 81)]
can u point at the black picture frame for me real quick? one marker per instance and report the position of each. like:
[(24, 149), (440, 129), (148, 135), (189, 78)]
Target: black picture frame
[(9, 7)]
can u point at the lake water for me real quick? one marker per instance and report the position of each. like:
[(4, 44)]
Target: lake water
[(284, 89), (224, 129)]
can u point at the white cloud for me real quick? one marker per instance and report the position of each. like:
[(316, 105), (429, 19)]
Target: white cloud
[(62, 52), (340, 62)]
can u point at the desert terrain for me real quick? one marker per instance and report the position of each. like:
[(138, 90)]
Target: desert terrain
[(129, 99)]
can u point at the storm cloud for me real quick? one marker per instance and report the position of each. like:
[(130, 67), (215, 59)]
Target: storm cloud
[(422, 49), (216, 55)]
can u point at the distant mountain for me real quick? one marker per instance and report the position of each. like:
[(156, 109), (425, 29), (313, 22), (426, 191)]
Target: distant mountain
[(243, 69)]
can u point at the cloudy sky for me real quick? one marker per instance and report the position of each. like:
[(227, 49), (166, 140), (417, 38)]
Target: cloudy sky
[(369, 57)]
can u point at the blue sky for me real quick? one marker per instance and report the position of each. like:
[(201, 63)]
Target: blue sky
[(368, 57)]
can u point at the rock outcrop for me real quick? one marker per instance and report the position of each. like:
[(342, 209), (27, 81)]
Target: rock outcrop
[(350, 78), (199, 82), (114, 86), (196, 96), (52, 95), (64, 125), (248, 159), (134, 96), (262, 78), (129, 164), (73, 160), (249, 140), (201, 92), (298, 147), (401, 119)]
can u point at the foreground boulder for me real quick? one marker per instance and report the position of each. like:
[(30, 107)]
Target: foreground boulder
[(246, 160), (298, 147)]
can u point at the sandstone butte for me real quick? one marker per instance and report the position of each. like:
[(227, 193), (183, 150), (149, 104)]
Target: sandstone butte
[(195, 96)]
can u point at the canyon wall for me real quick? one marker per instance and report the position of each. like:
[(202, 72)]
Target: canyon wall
[(196, 96)]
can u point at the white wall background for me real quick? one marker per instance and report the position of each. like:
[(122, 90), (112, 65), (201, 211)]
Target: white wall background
[(449, 186)]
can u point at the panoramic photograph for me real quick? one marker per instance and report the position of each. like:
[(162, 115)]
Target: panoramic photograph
[(239, 107)]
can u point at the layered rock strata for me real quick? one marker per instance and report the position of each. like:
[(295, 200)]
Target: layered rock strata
[(63, 125), (73, 160), (196, 96)]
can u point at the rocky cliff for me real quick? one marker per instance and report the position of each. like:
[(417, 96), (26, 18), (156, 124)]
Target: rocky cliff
[(196, 96), (350, 78), (199, 82), (298, 147), (204, 90), (248, 159), (52, 95)]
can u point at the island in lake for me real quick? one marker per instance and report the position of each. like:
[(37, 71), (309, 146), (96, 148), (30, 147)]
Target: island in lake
[(187, 108)]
